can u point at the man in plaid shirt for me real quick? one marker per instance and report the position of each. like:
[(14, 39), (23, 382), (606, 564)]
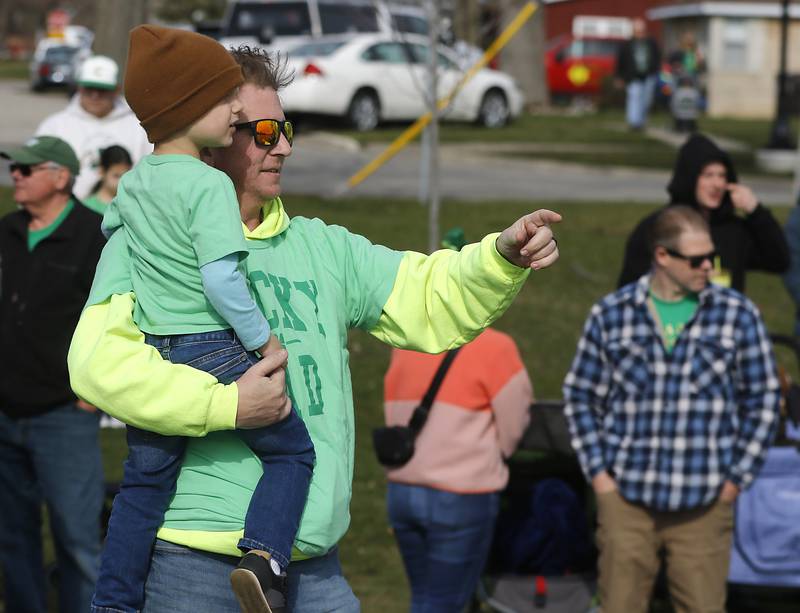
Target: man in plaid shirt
[(672, 401)]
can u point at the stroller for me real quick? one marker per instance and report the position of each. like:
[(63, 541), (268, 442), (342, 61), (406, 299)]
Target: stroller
[(765, 557), (542, 558)]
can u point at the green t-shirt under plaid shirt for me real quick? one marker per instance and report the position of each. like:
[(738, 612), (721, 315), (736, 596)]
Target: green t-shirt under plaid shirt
[(673, 316), (178, 214)]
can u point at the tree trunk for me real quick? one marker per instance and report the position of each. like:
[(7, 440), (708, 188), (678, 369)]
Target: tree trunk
[(5, 17), (523, 57), (466, 20), (115, 19)]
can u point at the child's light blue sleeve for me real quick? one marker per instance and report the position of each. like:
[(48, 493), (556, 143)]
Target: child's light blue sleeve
[(226, 290)]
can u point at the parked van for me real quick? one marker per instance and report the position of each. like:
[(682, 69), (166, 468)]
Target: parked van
[(281, 24)]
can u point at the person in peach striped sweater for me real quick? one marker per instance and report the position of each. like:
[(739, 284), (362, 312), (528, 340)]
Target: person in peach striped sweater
[(443, 503)]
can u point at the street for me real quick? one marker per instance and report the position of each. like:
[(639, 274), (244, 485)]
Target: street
[(322, 162)]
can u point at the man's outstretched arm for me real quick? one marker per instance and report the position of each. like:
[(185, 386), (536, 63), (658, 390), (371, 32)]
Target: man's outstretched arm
[(446, 299)]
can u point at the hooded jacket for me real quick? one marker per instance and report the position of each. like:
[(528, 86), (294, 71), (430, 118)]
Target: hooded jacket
[(626, 62), (752, 242), (88, 134)]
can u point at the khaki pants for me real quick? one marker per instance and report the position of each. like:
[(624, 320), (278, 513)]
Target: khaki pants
[(697, 545)]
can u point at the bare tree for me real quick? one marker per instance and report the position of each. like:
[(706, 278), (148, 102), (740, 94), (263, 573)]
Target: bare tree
[(523, 57), (466, 21), (114, 19)]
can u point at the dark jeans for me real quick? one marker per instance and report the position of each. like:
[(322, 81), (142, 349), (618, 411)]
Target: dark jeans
[(52, 458), (154, 461), (444, 539)]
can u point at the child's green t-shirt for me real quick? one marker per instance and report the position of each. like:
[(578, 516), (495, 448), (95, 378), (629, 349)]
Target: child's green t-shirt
[(178, 214), (674, 316)]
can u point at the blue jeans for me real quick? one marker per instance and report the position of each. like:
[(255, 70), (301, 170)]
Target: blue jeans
[(154, 461), (184, 580), (52, 458), (639, 97), (444, 539)]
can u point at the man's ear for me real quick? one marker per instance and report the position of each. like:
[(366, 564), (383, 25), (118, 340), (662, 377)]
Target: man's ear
[(63, 179), (660, 255)]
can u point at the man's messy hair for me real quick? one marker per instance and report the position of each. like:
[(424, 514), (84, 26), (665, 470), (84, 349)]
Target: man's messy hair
[(261, 68)]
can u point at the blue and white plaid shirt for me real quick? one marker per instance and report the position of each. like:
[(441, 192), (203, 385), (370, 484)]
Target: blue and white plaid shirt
[(671, 428)]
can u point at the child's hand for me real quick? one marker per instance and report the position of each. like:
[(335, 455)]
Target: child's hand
[(273, 344)]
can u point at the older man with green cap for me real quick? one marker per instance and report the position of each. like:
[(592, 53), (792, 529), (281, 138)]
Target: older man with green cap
[(49, 451)]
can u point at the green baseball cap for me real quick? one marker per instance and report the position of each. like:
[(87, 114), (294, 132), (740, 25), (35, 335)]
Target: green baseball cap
[(454, 239), (44, 149)]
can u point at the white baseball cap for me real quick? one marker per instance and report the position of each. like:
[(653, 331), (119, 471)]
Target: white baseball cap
[(99, 72)]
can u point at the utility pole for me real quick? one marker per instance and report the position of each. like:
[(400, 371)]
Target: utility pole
[(781, 135), (432, 140), (115, 18)]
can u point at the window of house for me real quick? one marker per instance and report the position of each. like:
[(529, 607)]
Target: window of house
[(734, 44)]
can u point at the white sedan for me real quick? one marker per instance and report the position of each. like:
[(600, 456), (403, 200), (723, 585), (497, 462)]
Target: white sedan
[(372, 78)]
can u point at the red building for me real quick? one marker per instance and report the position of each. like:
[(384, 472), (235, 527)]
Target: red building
[(559, 14)]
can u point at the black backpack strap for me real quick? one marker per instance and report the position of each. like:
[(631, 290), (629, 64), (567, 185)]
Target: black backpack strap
[(420, 415)]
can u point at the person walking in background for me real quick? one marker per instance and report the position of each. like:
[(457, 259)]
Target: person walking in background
[(687, 61), (638, 65), (745, 234), (49, 452), (443, 503), (115, 161), (96, 118), (672, 401)]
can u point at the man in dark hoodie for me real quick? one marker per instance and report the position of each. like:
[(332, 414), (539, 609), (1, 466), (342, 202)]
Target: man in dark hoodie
[(746, 236)]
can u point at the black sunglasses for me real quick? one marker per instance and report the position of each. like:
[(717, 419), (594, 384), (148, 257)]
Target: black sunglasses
[(26, 170), (695, 261), (267, 132)]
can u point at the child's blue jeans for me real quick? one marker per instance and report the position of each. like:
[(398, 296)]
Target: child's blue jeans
[(154, 460)]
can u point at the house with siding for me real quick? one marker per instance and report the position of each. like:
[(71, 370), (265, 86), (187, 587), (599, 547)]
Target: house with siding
[(741, 45)]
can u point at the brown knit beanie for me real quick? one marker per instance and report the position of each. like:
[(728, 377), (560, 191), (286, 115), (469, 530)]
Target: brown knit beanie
[(174, 77)]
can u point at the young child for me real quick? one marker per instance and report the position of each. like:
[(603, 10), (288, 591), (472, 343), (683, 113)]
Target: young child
[(182, 224), (115, 161)]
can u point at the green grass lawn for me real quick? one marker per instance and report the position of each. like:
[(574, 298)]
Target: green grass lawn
[(600, 128), (13, 69), (546, 320), (603, 135), (605, 127)]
